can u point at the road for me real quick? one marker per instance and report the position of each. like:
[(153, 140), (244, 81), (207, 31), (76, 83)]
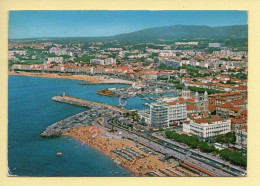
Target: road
[(176, 152)]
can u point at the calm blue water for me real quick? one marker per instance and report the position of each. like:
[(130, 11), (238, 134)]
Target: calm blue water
[(31, 110)]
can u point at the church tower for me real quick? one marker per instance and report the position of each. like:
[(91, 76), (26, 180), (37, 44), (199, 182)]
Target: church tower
[(186, 93), (197, 97), (205, 96)]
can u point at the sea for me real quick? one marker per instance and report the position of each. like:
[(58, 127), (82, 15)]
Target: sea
[(31, 110)]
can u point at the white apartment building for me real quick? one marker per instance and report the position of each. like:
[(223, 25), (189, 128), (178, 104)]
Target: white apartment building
[(207, 128), (109, 61), (60, 51), (159, 114), (241, 136), (186, 43), (54, 59), (19, 52), (162, 114), (97, 61), (167, 54), (17, 67), (115, 49), (214, 45), (87, 70)]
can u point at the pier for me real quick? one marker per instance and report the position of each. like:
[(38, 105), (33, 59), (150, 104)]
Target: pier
[(85, 103), (82, 119)]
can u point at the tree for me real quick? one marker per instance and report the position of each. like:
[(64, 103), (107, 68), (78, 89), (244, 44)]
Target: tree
[(160, 129), (226, 138), (142, 59), (235, 157), (156, 60), (84, 58), (162, 66), (179, 86)]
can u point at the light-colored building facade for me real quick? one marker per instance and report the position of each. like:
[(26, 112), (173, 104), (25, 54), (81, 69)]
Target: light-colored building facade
[(54, 59), (214, 45), (109, 61), (97, 61), (207, 128), (159, 115), (241, 136), (163, 114)]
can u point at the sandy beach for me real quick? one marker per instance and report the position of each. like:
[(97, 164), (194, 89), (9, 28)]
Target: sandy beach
[(92, 79), (106, 142)]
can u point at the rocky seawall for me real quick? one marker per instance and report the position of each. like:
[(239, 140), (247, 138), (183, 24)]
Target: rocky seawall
[(79, 120), (82, 119)]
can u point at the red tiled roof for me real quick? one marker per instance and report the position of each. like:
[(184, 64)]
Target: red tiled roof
[(244, 112), (190, 107), (238, 102), (241, 88), (236, 109), (226, 105), (191, 99), (238, 120), (200, 121), (243, 128), (172, 103), (212, 108), (195, 83), (216, 118)]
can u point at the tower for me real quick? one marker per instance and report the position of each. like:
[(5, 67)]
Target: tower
[(186, 93), (205, 96), (196, 96)]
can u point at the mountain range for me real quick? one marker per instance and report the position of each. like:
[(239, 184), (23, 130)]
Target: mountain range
[(175, 32), (185, 32)]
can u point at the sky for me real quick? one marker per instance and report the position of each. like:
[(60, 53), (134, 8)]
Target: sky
[(42, 24)]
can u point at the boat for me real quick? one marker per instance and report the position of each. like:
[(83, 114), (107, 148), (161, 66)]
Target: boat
[(59, 153)]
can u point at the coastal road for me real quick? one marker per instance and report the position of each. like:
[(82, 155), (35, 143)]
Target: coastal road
[(170, 151)]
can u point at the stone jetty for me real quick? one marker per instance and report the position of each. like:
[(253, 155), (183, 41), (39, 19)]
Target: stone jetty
[(82, 119), (79, 120), (84, 103)]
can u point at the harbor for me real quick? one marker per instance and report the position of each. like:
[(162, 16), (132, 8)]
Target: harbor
[(79, 120)]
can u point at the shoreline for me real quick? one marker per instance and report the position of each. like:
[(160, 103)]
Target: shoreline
[(91, 79), (107, 142), (110, 157), (57, 76)]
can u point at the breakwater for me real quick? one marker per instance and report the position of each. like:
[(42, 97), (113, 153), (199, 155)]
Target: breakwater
[(82, 119), (84, 103), (79, 120)]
